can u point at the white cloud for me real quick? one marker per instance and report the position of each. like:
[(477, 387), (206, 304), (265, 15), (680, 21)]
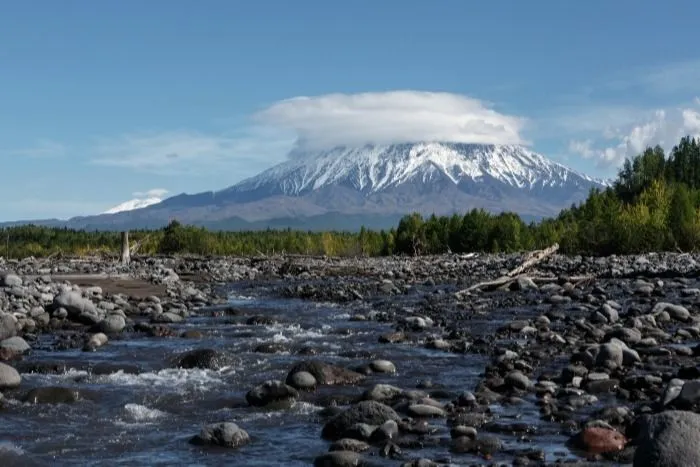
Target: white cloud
[(391, 117), (582, 148), (323, 121), (193, 153), (42, 149), (665, 127)]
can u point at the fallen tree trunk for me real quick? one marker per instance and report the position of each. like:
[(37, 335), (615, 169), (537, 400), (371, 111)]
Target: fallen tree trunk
[(513, 275), (534, 258)]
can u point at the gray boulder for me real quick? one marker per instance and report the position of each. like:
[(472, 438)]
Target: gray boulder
[(668, 439), (8, 326), (272, 394), (200, 358), (9, 377), (112, 324), (74, 303), (369, 412), (225, 434), (677, 312), (12, 280), (15, 344), (382, 393), (302, 380), (326, 373), (609, 356)]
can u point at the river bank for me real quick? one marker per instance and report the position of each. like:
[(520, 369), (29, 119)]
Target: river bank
[(388, 361)]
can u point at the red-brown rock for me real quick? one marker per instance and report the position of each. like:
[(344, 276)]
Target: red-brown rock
[(596, 440)]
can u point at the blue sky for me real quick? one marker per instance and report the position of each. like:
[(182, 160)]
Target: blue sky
[(104, 101)]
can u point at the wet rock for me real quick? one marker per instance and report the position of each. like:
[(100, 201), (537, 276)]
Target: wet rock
[(461, 430), (302, 380), (52, 395), (339, 459), (668, 439), (370, 412), (425, 410), (677, 312), (225, 434), (382, 366), (349, 444), (382, 393), (200, 358), (326, 373), (387, 431), (517, 380), (9, 377), (486, 445), (15, 344), (112, 324), (272, 394), (393, 338), (597, 440), (168, 317)]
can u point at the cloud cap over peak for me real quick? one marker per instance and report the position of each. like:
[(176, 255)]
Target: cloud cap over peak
[(391, 117)]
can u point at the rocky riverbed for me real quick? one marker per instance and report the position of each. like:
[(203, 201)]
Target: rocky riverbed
[(339, 362)]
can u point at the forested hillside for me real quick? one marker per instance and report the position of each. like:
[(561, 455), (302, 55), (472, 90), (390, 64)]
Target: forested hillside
[(653, 205)]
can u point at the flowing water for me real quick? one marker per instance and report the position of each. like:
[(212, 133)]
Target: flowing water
[(145, 412)]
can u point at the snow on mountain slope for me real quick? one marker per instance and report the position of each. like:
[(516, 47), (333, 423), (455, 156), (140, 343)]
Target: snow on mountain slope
[(374, 168), (133, 204)]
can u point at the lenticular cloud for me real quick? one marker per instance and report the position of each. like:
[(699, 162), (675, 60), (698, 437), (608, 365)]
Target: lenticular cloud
[(391, 117)]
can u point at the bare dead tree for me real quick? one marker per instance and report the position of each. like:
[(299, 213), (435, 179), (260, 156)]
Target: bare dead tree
[(125, 257)]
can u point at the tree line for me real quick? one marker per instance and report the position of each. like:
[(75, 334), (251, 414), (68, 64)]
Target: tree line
[(652, 205)]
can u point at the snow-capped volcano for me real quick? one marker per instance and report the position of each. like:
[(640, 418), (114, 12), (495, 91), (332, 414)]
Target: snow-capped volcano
[(372, 169), (371, 185)]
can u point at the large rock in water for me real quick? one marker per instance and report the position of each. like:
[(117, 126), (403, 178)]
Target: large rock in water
[(369, 412), (9, 377), (225, 434), (325, 373), (52, 395), (200, 358), (272, 394), (112, 324), (668, 439)]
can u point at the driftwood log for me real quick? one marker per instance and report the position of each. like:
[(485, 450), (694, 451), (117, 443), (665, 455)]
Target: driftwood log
[(513, 275)]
